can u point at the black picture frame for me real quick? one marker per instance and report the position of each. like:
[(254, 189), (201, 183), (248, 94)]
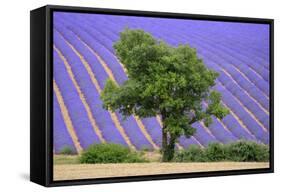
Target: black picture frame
[(41, 70)]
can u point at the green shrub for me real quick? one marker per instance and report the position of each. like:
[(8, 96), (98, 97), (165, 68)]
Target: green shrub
[(247, 151), (242, 151), (110, 153), (66, 150), (215, 152), (192, 154)]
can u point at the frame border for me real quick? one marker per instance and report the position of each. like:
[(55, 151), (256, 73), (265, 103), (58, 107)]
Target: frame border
[(49, 90)]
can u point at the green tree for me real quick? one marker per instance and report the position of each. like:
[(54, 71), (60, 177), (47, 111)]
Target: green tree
[(171, 82)]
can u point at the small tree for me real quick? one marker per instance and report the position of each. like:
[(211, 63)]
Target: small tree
[(171, 82)]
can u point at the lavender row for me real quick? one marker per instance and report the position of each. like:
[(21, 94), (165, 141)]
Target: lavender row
[(250, 123), (61, 136), (158, 23), (150, 123), (240, 136), (237, 92), (104, 121), (243, 136), (203, 136), (154, 128), (130, 124), (220, 29), (241, 133), (249, 87), (106, 55), (261, 69), (222, 58), (228, 136), (251, 105), (248, 102), (264, 102), (187, 142), (75, 107), (226, 44), (176, 39), (96, 67)]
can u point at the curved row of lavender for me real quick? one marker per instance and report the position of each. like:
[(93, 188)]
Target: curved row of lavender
[(238, 51)]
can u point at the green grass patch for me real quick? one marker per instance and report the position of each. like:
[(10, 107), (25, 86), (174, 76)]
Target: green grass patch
[(66, 150), (66, 159)]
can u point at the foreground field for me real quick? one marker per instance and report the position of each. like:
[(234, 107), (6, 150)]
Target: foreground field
[(86, 171)]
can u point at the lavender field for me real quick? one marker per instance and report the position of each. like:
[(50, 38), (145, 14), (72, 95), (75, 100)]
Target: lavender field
[(84, 59)]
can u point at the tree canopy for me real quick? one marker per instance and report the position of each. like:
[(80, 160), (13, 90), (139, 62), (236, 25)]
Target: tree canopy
[(171, 82)]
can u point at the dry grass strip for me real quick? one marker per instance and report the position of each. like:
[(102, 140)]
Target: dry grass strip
[(86, 171)]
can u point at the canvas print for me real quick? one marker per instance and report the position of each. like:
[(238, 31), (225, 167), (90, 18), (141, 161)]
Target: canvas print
[(135, 96)]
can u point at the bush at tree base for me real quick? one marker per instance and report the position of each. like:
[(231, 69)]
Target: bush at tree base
[(240, 151)]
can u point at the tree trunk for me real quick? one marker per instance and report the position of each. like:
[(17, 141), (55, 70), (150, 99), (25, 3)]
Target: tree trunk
[(164, 139), (165, 150), (171, 147), (168, 143), (168, 148)]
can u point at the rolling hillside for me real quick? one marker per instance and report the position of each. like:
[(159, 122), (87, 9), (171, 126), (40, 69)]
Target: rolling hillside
[(84, 59)]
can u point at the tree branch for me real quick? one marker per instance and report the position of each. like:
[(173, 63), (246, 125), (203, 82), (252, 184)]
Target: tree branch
[(193, 120)]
